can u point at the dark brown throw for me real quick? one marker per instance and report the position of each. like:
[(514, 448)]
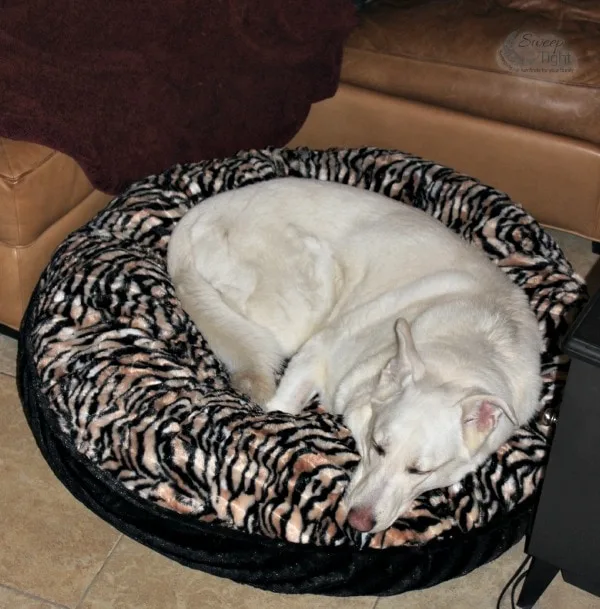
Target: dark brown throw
[(129, 88)]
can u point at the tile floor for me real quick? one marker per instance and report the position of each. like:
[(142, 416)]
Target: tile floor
[(45, 565)]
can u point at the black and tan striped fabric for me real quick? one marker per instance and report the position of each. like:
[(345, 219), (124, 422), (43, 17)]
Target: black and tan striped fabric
[(131, 386)]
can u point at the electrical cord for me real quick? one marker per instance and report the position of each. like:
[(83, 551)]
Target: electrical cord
[(519, 575)]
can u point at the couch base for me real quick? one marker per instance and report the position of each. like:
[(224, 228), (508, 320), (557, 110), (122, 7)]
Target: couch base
[(555, 178)]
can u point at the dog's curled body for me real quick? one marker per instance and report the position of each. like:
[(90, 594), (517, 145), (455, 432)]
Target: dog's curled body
[(425, 347)]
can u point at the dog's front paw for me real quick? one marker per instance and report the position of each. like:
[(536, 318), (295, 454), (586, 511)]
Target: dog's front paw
[(279, 405), (260, 388)]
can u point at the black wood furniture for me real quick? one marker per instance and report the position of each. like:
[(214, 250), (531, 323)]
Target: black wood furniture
[(566, 529)]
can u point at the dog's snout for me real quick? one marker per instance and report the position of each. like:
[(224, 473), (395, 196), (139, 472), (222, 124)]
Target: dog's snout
[(361, 519)]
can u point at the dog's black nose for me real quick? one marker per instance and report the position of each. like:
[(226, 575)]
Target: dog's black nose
[(361, 519)]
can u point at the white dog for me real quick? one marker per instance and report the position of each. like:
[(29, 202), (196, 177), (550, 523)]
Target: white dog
[(425, 347)]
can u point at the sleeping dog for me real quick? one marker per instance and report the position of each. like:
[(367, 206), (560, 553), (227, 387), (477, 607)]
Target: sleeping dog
[(424, 346)]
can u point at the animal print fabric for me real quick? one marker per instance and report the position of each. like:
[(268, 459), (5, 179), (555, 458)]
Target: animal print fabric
[(132, 385)]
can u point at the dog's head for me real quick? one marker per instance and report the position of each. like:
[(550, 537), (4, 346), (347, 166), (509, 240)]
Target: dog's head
[(416, 432)]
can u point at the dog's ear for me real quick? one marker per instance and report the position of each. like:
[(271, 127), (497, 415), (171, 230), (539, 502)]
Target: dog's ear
[(480, 416), (407, 362)]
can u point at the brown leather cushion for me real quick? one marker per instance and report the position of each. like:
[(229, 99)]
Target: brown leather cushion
[(464, 56), (581, 10), (38, 186)]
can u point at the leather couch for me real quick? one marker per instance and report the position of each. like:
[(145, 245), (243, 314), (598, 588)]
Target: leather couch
[(507, 91), (449, 80)]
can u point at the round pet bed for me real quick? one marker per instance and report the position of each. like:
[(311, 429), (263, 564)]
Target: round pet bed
[(135, 416)]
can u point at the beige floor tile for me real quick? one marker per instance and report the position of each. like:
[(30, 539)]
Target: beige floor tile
[(137, 578), (561, 595), (50, 545), (10, 599), (8, 355)]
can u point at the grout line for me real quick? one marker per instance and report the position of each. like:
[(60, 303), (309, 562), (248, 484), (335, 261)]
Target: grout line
[(34, 597), (93, 580), (376, 603)]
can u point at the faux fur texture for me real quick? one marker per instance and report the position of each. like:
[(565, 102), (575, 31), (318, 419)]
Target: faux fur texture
[(135, 390)]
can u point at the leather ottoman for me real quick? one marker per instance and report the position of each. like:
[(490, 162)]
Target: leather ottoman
[(44, 195)]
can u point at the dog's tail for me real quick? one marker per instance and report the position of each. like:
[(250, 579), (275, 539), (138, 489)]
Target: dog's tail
[(250, 352)]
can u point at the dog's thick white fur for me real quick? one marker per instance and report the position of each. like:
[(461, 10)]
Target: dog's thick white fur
[(424, 346)]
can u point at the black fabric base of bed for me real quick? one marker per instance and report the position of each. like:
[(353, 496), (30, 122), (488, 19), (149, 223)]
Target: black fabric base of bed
[(135, 416), (252, 559)]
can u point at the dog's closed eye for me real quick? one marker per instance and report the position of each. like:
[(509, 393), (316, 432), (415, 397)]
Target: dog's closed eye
[(415, 471), (378, 448)]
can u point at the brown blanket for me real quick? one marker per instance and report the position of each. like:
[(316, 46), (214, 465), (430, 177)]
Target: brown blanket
[(129, 88)]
